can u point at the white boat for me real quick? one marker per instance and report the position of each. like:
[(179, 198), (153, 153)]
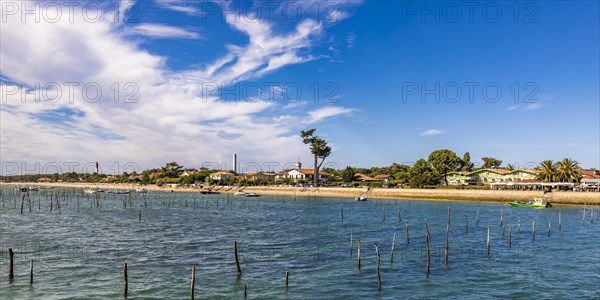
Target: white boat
[(252, 195), (141, 190), (239, 194), (361, 198), (89, 191)]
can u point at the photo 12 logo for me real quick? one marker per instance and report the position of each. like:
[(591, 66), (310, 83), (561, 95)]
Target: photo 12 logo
[(471, 91), (69, 11), (69, 92), (469, 11), (271, 91)]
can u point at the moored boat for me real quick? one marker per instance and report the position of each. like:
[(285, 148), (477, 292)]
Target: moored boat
[(252, 195), (535, 203), (141, 190), (361, 198), (239, 194)]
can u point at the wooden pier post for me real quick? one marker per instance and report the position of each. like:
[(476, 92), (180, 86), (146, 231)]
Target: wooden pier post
[(559, 222), (287, 274), (193, 283), (509, 237), (466, 224), (11, 255), (245, 291), (237, 261), (377, 268), (399, 217), (447, 245), (488, 241), (358, 252), (549, 225), (383, 213), (477, 219), (350, 243), (448, 215), (393, 246), (140, 216), (502, 218), (125, 282), (428, 250), (407, 237), (342, 210), (533, 231), (31, 272)]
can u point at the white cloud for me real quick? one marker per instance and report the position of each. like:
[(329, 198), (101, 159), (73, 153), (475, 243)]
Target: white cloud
[(179, 6), (163, 31), (327, 112), (429, 132), (172, 120), (527, 107)]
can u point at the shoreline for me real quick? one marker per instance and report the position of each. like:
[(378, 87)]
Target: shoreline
[(570, 198)]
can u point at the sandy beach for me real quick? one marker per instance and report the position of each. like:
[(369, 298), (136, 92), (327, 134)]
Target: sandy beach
[(579, 198)]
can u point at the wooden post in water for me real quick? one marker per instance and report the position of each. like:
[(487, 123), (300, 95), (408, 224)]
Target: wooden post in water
[(193, 284), (350, 243), (447, 245), (488, 241), (477, 219), (399, 218), (407, 237), (549, 225), (11, 255), (393, 246), (358, 252), (342, 210), (532, 231), (583, 213), (502, 219), (377, 268), (559, 222), (518, 225), (125, 282), (31, 272), (287, 273), (428, 250), (140, 216), (448, 215), (509, 238), (383, 213), (237, 261)]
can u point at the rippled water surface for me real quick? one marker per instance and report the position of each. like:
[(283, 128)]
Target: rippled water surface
[(79, 250)]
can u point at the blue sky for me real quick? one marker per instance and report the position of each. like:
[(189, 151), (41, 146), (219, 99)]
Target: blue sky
[(200, 80)]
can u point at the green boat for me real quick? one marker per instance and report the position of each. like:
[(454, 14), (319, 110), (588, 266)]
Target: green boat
[(535, 203)]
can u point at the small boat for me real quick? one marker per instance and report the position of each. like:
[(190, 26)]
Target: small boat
[(21, 189), (239, 194), (535, 203), (361, 198), (33, 188), (252, 195), (141, 191), (121, 192), (89, 191), (209, 192)]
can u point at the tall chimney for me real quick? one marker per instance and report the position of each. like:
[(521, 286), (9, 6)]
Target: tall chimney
[(235, 162)]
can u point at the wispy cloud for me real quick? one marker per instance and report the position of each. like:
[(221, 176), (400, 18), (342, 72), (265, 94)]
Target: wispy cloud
[(527, 107), (429, 132), (327, 112), (179, 6), (164, 31)]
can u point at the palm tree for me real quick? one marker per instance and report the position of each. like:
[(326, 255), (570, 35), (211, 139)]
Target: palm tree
[(566, 170), (547, 171)]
